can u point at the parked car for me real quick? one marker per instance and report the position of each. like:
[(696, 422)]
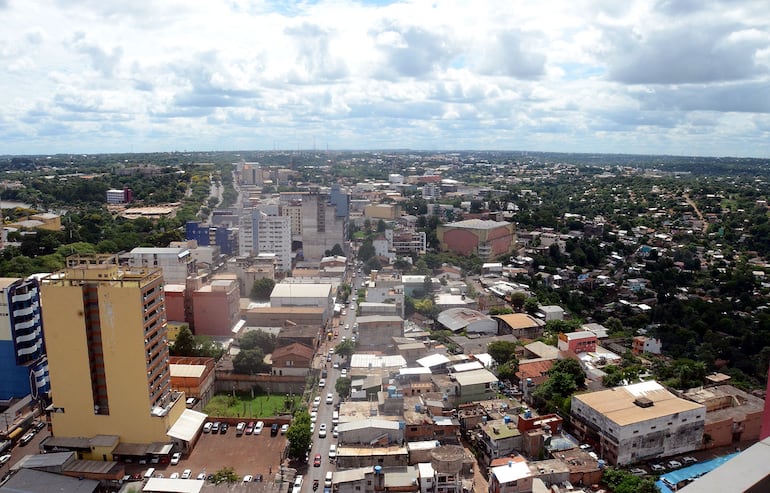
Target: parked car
[(4, 459), (322, 383), (215, 427), (186, 474), (258, 427), (175, 458), (317, 460), (322, 430), (313, 416), (336, 432), (201, 476), (689, 460), (223, 428), (240, 428), (329, 398), (674, 464), (344, 373), (250, 428), (207, 427), (274, 430), (636, 471), (27, 438), (332, 451), (174, 475), (284, 428), (247, 478), (657, 467)]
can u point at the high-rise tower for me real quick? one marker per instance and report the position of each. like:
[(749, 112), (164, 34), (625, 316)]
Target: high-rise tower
[(107, 351)]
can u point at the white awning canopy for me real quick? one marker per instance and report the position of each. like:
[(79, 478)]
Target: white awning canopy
[(187, 425)]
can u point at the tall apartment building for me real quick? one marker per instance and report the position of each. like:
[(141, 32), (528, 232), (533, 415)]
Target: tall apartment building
[(105, 334), (322, 220), (23, 363), (263, 233), (176, 263)]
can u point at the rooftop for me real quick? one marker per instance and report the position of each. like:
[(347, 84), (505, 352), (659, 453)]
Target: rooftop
[(291, 290), (520, 320)]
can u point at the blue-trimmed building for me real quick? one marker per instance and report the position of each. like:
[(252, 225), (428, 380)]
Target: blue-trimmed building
[(223, 237), (23, 362)]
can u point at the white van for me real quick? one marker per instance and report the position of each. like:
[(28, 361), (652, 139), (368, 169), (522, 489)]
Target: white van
[(150, 473), (328, 480), (335, 417)]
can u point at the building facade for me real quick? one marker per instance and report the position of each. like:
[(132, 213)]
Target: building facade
[(107, 351), (23, 362), (487, 239), (638, 422), (175, 263)]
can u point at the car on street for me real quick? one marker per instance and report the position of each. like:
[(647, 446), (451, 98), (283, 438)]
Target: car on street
[(4, 459), (258, 427), (336, 432), (332, 451), (174, 475), (284, 428), (312, 430), (247, 478), (335, 365), (347, 326), (674, 464), (328, 358), (201, 476), (317, 460), (186, 474), (27, 438), (329, 398), (657, 467), (322, 430), (689, 460), (39, 426), (313, 416), (636, 471), (331, 350), (344, 373), (322, 383), (175, 458), (207, 427), (317, 401)]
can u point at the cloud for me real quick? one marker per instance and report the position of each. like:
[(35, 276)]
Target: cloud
[(511, 53), (411, 51)]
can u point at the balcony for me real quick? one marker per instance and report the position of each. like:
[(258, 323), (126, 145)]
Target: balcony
[(22, 297)]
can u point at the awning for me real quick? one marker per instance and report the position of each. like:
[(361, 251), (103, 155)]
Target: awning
[(187, 426)]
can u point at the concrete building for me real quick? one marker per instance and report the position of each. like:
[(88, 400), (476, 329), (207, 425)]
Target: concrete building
[(300, 295), (119, 196), (578, 342), (474, 385), (259, 232), (644, 344), (638, 422), (520, 325), (406, 241), (551, 312), (732, 415), (371, 432), (105, 334), (487, 239), (317, 219), (389, 456), (175, 263), (513, 477), (23, 363), (378, 331), (499, 438), (387, 212), (216, 307)]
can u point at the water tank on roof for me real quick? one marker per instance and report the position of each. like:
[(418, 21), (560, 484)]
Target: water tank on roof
[(391, 390), (602, 463), (417, 408), (484, 419), (527, 413), (377, 469), (506, 419)]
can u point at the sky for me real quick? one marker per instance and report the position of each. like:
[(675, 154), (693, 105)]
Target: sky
[(681, 77)]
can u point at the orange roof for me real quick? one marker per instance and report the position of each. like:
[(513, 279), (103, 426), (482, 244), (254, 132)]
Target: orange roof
[(293, 348)]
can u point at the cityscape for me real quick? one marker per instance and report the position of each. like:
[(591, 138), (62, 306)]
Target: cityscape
[(411, 321)]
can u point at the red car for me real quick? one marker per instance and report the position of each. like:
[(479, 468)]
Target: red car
[(317, 460)]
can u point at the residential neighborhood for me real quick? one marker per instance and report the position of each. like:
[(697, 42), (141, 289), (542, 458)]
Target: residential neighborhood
[(404, 322)]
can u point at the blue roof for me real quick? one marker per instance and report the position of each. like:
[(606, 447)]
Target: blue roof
[(691, 472)]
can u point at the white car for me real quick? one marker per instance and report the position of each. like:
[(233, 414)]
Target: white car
[(247, 478), (201, 476), (312, 430), (175, 458), (186, 474), (322, 430), (329, 398), (322, 383), (336, 432), (258, 427), (174, 475), (4, 459), (335, 365), (207, 427), (284, 428), (674, 464), (313, 417), (332, 451), (316, 402), (344, 373)]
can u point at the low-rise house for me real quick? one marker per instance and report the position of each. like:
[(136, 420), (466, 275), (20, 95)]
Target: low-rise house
[(513, 477), (372, 432), (644, 344), (499, 438), (295, 359), (732, 415), (389, 456), (577, 342), (520, 325)]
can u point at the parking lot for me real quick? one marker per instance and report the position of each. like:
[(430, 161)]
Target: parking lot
[(246, 454)]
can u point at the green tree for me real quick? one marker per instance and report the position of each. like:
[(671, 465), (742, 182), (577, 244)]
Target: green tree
[(299, 435), (502, 351), (572, 368), (381, 226), (258, 339), (184, 345), (531, 305), (366, 250), (345, 348), (337, 250), (507, 371), (225, 475), (206, 347), (518, 299), (249, 362), (261, 289), (342, 386)]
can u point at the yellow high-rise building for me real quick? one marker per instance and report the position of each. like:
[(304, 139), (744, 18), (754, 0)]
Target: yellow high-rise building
[(105, 332)]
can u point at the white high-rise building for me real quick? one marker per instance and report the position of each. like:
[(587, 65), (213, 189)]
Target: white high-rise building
[(263, 233)]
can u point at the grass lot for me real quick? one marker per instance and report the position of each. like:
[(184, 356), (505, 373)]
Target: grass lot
[(243, 405)]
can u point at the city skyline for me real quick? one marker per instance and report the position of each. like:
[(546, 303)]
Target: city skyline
[(670, 77)]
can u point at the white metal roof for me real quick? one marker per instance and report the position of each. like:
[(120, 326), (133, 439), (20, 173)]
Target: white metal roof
[(187, 425), (292, 290), (513, 471), (167, 485), (433, 360)]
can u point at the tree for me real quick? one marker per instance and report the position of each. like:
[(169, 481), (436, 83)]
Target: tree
[(258, 339), (531, 305), (225, 475), (381, 226), (342, 386), (572, 368), (502, 351), (366, 250), (299, 435), (261, 289), (345, 348), (507, 371), (518, 299), (249, 362), (337, 250), (184, 345)]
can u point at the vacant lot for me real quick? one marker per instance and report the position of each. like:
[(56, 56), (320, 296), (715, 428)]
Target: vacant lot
[(242, 405)]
